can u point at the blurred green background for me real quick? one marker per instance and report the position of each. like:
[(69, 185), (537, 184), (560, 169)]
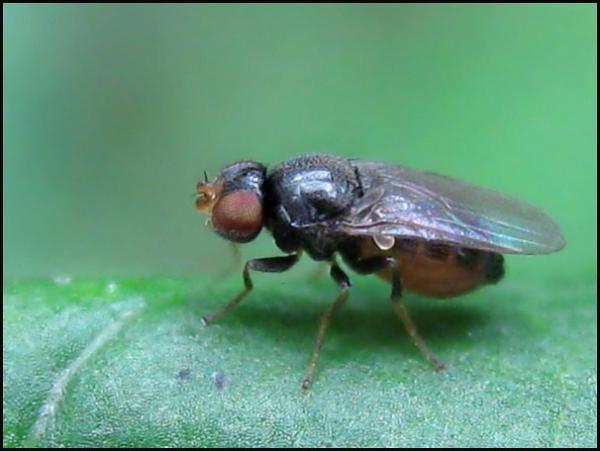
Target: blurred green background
[(111, 113)]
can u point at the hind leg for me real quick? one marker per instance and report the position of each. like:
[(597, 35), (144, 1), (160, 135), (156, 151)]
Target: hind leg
[(380, 263), (402, 312), (341, 279)]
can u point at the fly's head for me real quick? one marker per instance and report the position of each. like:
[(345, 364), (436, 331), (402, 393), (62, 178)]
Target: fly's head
[(234, 201)]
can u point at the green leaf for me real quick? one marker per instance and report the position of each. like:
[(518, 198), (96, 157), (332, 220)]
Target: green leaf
[(127, 363)]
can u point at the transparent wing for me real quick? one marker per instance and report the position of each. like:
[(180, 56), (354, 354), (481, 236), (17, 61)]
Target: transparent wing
[(404, 202)]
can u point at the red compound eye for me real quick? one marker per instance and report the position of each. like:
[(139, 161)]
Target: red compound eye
[(238, 216)]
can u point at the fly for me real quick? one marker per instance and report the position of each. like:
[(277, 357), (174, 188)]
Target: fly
[(430, 234)]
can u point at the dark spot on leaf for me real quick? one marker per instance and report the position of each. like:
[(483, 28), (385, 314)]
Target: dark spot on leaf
[(218, 378), (184, 374)]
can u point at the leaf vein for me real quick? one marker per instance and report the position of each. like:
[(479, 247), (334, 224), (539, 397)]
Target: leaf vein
[(47, 412)]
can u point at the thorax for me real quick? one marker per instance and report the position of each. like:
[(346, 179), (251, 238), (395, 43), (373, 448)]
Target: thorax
[(306, 197)]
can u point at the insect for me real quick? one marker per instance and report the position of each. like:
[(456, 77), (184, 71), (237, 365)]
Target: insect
[(427, 233)]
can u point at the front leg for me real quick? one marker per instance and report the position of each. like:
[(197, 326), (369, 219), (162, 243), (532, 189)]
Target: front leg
[(269, 264)]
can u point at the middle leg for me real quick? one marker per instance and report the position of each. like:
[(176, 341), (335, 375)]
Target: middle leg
[(344, 283)]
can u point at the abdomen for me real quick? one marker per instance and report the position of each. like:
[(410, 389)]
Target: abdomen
[(438, 270)]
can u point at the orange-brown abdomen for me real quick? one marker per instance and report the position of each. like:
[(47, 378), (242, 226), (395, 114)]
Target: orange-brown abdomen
[(439, 270)]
